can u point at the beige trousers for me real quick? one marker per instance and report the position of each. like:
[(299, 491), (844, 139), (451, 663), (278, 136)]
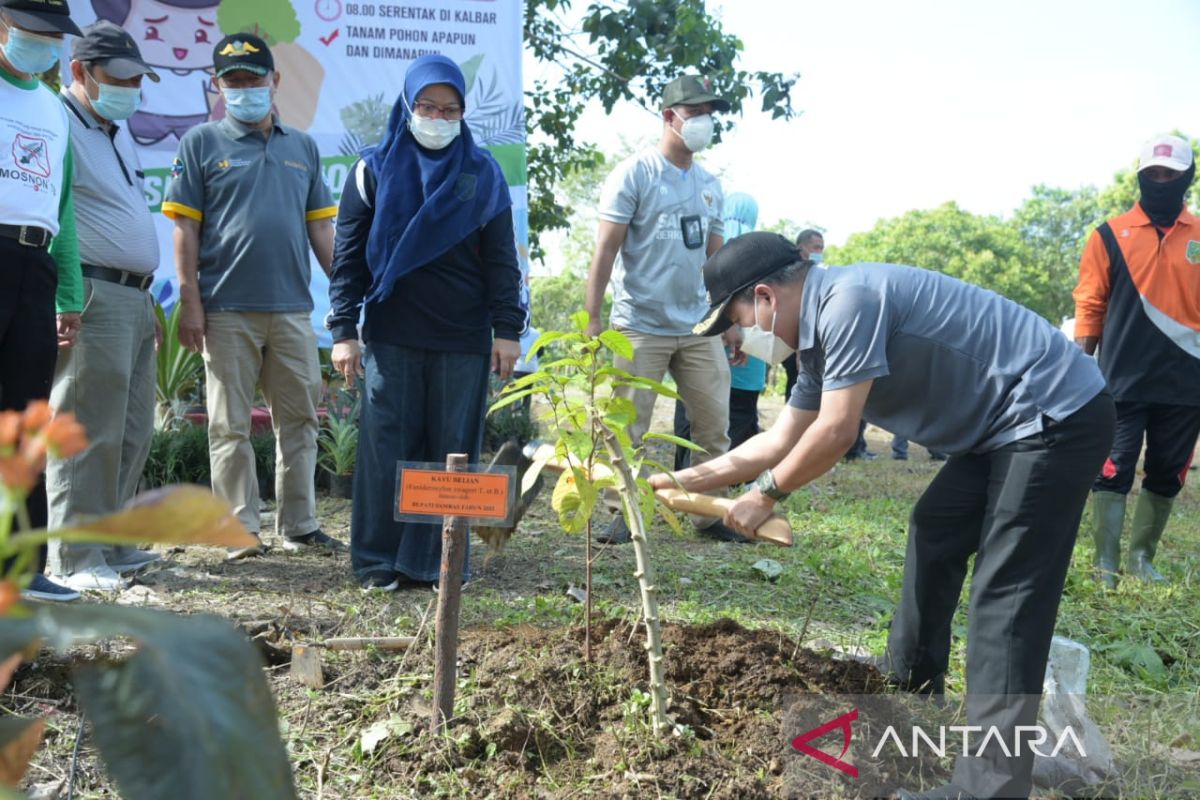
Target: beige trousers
[(701, 372), (107, 381), (243, 349)]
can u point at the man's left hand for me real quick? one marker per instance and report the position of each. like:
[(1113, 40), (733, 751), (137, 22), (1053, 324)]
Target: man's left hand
[(505, 353), (68, 329), (749, 512)]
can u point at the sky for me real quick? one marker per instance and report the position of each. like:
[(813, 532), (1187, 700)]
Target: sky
[(911, 103)]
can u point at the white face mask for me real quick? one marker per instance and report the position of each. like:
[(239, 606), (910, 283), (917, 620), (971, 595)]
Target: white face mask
[(697, 132), (434, 134), (765, 345)]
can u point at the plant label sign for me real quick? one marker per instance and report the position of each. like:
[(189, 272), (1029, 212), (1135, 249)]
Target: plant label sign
[(427, 492)]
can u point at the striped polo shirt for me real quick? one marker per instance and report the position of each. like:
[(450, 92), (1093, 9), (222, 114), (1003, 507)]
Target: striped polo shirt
[(113, 223)]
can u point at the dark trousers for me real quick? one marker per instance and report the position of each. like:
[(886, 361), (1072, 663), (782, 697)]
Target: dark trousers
[(743, 423), (1017, 509), (860, 444), (28, 343), (1170, 436), (419, 405)]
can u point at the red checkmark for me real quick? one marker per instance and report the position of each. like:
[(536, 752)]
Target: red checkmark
[(328, 40)]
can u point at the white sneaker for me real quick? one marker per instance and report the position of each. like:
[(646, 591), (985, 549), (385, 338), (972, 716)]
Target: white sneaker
[(131, 559), (94, 579)]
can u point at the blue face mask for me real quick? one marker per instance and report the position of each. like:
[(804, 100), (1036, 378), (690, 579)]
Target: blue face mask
[(248, 105), (30, 53), (115, 102), (816, 258)]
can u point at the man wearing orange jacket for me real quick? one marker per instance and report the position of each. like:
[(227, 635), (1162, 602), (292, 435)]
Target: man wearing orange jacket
[(1138, 297)]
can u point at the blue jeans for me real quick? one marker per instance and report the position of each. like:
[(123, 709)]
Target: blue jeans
[(419, 405)]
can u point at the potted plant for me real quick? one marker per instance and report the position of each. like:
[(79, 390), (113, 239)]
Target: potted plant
[(339, 441)]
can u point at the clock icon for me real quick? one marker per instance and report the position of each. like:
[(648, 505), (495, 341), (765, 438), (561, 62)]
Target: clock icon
[(329, 10)]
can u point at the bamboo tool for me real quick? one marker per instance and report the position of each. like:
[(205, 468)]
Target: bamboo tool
[(776, 529), (306, 667)]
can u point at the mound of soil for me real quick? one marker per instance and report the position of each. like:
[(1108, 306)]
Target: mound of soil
[(536, 721)]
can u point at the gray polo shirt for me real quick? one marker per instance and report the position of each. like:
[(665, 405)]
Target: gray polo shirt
[(956, 368), (657, 283), (254, 196), (112, 221)]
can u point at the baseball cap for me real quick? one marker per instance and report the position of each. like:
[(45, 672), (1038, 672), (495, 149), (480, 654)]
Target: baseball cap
[(1167, 151), (692, 90), (109, 45), (741, 263), (242, 51), (41, 16)]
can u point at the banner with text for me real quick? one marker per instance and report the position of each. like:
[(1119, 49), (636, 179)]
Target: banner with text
[(341, 66)]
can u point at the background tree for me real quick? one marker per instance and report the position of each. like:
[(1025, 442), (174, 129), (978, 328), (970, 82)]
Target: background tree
[(1054, 225), (984, 250), (628, 51)]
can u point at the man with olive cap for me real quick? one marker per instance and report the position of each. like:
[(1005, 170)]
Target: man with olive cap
[(660, 218), (1030, 426), (41, 293), (108, 379)]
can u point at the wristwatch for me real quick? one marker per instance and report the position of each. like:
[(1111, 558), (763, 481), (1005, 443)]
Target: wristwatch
[(766, 484)]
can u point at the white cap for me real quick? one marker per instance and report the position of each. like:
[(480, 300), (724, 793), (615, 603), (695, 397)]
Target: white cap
[(1166, 151)]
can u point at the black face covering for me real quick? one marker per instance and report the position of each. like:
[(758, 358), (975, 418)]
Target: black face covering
[(1162, 202)]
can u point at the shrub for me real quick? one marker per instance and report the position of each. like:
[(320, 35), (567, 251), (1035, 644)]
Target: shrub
[(181, 456)]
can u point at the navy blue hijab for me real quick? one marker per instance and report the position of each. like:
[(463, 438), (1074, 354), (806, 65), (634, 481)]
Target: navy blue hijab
[(426, 201)]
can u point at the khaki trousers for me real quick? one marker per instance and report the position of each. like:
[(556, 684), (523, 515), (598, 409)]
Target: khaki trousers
[(107, 380), (243, 349), (701, 372)]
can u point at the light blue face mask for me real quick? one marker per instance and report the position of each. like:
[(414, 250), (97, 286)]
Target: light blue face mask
[(816, 258), (248, 105), (30, 53), (115, 102)]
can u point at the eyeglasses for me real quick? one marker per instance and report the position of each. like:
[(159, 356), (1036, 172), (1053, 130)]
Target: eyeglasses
[(424, 108)]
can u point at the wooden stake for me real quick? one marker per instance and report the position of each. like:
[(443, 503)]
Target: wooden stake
[(454, 551), (306, 666)]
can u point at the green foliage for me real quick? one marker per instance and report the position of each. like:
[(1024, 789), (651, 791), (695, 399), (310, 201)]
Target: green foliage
[(339, 435), (622, 51), (274, 20), (983, 250), (1055, 224), (180, 455), (186, 711), (555, 299), (513, 422), (591, 413), (179, 370)]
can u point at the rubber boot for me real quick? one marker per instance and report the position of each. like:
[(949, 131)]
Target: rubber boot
[(1108, 518), (1150, 517)]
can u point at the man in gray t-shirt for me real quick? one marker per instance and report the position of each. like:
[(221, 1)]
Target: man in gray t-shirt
[(1023, 413), (660, 218)]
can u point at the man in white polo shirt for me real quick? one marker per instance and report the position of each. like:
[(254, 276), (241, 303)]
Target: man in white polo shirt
[(107, 380)]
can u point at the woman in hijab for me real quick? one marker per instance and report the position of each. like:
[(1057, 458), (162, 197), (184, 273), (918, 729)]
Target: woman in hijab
[(425, 250)]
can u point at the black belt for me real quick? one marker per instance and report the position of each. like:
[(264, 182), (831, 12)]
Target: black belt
[(28, 235), (137, 280)]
